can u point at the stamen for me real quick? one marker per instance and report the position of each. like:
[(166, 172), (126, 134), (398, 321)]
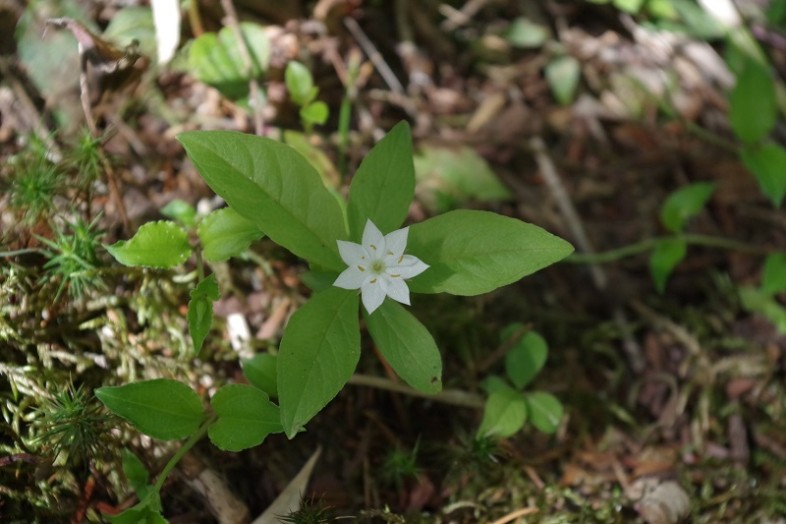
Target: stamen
[(372, 246), (373, 280), (393, 275), (400, 259), (361, 268)]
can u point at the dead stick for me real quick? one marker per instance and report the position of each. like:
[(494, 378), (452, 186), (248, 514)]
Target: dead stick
[(245, 55), (597, 273)]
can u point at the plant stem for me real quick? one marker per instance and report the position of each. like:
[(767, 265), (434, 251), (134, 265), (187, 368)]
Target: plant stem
[(613, 255), (28, 251), (454, 397), (345, 114), (180, 453)]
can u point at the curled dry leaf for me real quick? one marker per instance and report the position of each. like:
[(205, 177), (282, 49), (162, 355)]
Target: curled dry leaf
[(664, 503)]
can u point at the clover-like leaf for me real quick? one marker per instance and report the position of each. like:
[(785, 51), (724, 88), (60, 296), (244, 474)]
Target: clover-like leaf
[(545, 411), (161, 408), (245, 417), (504, 413), (525, 360), (260, 370)]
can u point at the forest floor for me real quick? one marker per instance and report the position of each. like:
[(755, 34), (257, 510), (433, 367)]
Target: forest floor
[(674, 401)]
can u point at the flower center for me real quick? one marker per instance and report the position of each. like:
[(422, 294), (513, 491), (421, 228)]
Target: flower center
[(378, 267)]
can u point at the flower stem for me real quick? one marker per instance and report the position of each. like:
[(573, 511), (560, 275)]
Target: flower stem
[(180, 453), (613, 255), (454, 397)]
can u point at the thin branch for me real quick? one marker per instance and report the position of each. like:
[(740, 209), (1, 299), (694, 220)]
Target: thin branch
[(374, 55), (598, 275)]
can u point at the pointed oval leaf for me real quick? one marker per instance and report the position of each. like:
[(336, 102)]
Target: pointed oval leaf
[(562, 74), (664, 258), (274, 187), (504, 413), (767, 165), (525, 360), (752, 104), (200, 310), (161, 408), (319, 352), (300, 83), (260, 370), (773, 278), (684, 204), (136, 473), (160, 244), (225, 234), (407, 346), (474, 252), (215, 59), (545, 411), (245, 417), (384, 184)]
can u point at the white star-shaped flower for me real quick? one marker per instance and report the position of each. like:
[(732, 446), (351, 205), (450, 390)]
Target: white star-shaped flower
[(378, 266)]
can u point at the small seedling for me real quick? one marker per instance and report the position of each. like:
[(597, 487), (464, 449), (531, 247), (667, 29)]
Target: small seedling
[(508, 408)]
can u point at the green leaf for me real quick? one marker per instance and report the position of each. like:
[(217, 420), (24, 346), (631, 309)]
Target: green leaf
[(245, 417), (384, 184), (407, 346), (160, 244), (315, 113), (133, 23), (752, 105), (319, 352), (664, 258), (504, 413), (545, 411), (215, 59), (315, 156), (525, 360), (225, 234), (138, 515), (135, 472), (273, 186), (161, 408), (524, 33), (180, 211), (758, 301), (300, 83), (768, 165), (773, 278), (562, 74), (474, 252), (260, 370), (450, 177), (684, 204), (629, 6), (200, 310)]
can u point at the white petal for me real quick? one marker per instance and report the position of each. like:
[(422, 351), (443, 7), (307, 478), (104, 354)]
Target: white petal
[(408, 267), (373, 241), (351, 278), (372, 295), (352, 253), (396, 242), (398, 290)]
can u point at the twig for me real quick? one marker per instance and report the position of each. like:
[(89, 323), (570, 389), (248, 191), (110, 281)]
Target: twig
[(245, 55), (376, 58), (454, 397), (510, 517), (598, 275), (457, 18)]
